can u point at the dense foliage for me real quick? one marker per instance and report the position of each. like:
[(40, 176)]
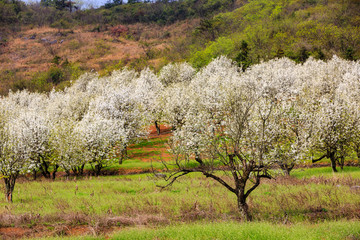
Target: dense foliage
[(55, 12), (296, 29)]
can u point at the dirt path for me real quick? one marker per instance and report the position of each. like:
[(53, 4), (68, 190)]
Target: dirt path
[(155, 148)]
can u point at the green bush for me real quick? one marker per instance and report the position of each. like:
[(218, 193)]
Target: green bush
[(222, 46)]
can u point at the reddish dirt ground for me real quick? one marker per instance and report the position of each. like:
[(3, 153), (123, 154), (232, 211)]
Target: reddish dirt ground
[(45, 231), (149, 153), (14, 232)]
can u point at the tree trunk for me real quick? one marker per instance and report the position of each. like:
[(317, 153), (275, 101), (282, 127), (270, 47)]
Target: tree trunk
[(243, 208), (70, 6), (54, 172), (45, 169), (286, 168), (157, 126), (78, 171), (98, 168), (9, 186), (34, 174), (341, 162), (81, 169), (333, 161), (123, 155)]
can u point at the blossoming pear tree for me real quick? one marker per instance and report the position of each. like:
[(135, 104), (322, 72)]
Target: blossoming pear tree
[(231, 126)]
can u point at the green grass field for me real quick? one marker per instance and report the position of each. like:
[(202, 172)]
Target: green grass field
[(303, 206), (233, 230), (312, 195)]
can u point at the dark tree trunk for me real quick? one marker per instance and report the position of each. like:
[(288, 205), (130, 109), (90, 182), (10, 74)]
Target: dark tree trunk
[(333, 161), (45, 169), (98, 168), (54, 172), (82, 169), (9, 186), (70, 6), (286, 168), (123, 155), (341, 162), (287, 172), (34, 174), (157, 126), (243, 207), (79, 171)]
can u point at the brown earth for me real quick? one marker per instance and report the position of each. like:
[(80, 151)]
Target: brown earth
[(47, 231), (148, 153), (103, 226), (89, 49)]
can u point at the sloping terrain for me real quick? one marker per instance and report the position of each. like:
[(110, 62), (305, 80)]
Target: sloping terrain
[(34, 51)]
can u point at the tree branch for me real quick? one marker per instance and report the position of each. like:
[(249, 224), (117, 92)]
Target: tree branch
[(316, 160), (257, 183), (174, 178), (220, 181)]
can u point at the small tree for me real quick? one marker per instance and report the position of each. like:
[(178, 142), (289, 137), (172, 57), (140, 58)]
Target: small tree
[(98, 138), (14, 158), (242, 57), (147, 92), (290, 136), (12, 161), (175, 78), (35, 137), (330, 122), (66, 147)]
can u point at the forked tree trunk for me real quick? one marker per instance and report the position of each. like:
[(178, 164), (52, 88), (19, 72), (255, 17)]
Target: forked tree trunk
[(78, 171), (9, 186), (243, 207), (287, 168)]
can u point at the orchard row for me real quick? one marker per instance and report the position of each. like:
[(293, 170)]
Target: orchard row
[(276, 112)]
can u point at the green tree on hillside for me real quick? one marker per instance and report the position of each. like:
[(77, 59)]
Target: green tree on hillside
[(243, 58), (9, 11)]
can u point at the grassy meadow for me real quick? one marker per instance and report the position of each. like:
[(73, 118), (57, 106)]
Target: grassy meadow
[(99, 204), (132, 206), (234, 230)]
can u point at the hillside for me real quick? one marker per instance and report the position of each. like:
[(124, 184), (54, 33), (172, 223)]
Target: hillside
[(46, 46), (261, 30), (40, 58)]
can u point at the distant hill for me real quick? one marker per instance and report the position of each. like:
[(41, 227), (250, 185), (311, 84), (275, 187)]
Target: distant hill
[(48, 44), (264, 29)]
